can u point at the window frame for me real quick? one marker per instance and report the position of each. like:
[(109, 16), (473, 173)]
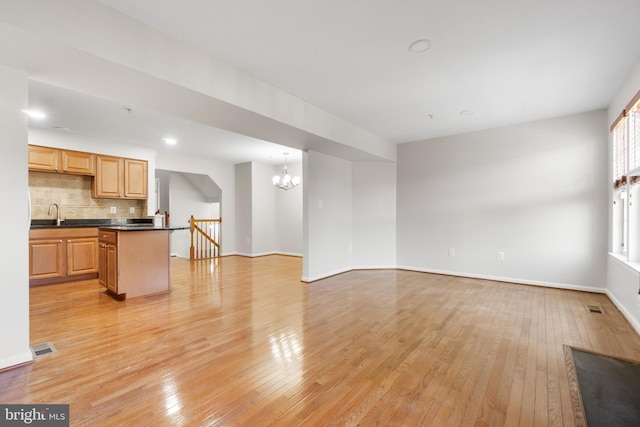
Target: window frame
[(625, 163)]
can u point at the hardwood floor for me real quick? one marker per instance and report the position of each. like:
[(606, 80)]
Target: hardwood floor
[(243, 342)]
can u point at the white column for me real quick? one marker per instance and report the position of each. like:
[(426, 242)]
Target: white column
[(14, 186)]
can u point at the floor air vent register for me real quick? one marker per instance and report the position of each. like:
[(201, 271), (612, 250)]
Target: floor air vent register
[(41, 350), (594, 309)]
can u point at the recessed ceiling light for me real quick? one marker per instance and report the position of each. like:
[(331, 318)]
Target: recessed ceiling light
[(466, 112), (170, 141), (35, 114), (420, 46)]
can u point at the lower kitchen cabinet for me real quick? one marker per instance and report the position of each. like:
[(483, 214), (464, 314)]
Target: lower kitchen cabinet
[(134, 263), (108, 260), (62, 254), (46, 259)]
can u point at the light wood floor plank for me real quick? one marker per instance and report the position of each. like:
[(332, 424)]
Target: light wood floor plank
[(243, 342)]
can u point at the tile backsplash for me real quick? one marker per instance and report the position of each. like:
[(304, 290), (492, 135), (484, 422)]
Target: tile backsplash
[(73, 194)]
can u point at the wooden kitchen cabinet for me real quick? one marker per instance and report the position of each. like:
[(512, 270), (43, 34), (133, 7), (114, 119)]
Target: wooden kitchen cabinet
[(48, 159), (135, 179), (109, 175), (108, 260), (46, 259), (114, 177), (77, 162), (44, 159), (82, 256), (118, 178), (62, 254)]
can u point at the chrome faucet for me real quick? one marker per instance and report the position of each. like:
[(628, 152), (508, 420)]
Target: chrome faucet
[(57, 211)]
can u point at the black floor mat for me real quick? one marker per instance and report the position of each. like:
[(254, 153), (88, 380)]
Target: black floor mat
[(609, 389)]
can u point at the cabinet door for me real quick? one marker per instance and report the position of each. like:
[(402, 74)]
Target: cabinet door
[(79, 163), (46, 259), (102, 264), (135, 179), (45, 159), (82, 256), (112, 268), (108, 180)]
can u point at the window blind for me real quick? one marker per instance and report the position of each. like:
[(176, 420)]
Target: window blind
[(625, 134), (620, 153), (633, 119)]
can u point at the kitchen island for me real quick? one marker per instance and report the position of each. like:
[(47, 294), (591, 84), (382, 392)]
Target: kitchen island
[(134, 260), (131, 257)]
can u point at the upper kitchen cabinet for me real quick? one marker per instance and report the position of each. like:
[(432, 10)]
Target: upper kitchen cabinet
[(77, 162), (135, 179), (120, 178), (48, 159), (44, 159)]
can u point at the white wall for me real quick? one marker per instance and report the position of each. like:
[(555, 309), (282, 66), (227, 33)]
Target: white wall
[(244, 209), (328, 216), (289, 213), (14, 185), (164, 187), (185, 200), (374, 215), (627, 90), (263, 218), (269, 220), (623, 282), (223, 174), (535, 191)]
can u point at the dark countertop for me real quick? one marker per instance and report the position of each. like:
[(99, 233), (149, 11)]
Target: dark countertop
[(127, 224), (142, 227)]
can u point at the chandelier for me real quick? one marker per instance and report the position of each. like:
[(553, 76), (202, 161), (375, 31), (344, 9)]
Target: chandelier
[(284, 181)]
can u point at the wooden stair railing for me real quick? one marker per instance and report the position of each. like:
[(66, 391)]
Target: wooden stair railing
[(205, 238)]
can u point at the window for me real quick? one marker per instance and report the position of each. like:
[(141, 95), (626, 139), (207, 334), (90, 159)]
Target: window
[(633, 123), (625, 137), (619, 136)]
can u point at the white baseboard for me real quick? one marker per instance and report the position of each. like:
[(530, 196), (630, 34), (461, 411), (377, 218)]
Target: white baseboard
[(375, 267), (508, 280), (17, 359), (252, 255), (309, 279), (624, 312)]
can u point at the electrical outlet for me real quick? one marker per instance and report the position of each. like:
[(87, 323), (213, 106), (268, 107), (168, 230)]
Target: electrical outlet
[(500, 256), (132, 210), (452, 251), (113, 209)]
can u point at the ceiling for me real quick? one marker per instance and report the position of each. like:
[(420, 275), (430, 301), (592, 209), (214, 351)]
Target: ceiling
[(70, 111), (490, 63)]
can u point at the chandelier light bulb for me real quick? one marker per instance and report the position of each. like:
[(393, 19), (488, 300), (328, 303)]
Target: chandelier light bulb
[(284, 181)]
